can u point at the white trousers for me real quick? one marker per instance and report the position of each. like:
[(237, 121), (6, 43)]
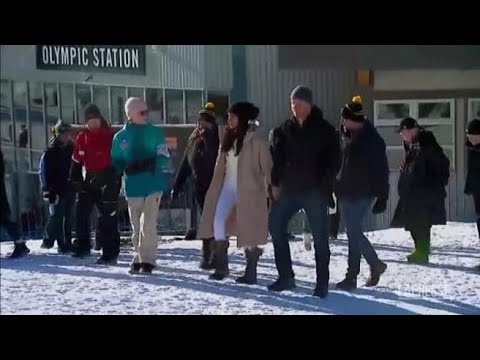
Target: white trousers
[(226, 201)]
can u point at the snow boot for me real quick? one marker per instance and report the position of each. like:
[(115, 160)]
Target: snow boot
[(46, 244), (146, 268), (321, 291), (250, 276), (105, 260), (348, 284), (207, 254), (221, 260), (135, 268), (282, 284), (191, 234), (19, 251), (375, 273), (80, 253)]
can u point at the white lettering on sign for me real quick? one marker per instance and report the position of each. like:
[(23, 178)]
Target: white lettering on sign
[(127, 58), (99, 57), (96, 61), (45, 54), (114, 51), (109, 58), (65, 59), (85, 56), (102, 56), (135, 62)]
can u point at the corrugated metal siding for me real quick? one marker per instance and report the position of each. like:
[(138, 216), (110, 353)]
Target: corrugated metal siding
[(218, 67), (269, 88), (181, 66)]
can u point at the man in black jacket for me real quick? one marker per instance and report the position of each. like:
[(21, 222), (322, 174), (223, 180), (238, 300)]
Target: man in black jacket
[(472, 184), (424, 173), (362, 178), (10, 227), (199, 162), (306, 158), (54, 173)]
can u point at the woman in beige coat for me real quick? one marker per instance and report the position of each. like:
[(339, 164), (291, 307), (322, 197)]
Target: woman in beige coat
[(236, 202)]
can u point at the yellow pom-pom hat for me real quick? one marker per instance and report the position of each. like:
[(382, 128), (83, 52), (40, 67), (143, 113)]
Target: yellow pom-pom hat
[(208, 112), (354, 110)]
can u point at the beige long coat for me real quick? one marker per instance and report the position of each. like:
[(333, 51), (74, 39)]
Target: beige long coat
[(249, 219)]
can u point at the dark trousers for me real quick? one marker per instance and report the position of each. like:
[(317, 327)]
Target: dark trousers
[(334, 222), (12, 228), (476, 198), (315, 204), (353, 214), (107, 205), (421, 237), (59, 226)]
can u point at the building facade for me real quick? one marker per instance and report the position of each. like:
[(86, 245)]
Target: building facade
[(41, 83)]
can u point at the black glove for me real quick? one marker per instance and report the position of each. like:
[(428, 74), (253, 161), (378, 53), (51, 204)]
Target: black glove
[(52, 198), (380, 206)]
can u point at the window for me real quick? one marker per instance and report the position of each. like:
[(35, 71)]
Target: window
[(154, 100), (84, 98), (100, 98), (22, 130), (437, 116), (473, 109), (222, 103), (194, 105), (67, 103), (135, 92), (52, 106), (37, 125), (6, 124), (175, 114), (118, 105)]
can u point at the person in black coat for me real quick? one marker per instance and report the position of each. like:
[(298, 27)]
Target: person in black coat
[(361, 182), (10, 227), (199, 162), (306, 158), (424, 173), (57, 191), (472, 183)]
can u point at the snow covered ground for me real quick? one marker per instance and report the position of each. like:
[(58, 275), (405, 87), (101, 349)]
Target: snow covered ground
[(47, 283)]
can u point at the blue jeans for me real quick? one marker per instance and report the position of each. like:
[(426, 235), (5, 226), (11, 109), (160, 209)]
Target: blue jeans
[(353, 214), (315, 204)]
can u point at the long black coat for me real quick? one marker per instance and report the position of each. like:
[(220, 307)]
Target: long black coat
[(472, 183), (4, 207), (421, 185), (199, 162)]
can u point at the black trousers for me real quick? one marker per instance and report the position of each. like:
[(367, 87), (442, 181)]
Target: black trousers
[(106, 201), (421, 237), (59, 226), (476, 198)]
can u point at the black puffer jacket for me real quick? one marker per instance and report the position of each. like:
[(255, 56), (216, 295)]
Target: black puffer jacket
[(472, 183), (365, 168), (421, 185), (199, 161), (305, 157), (57, 162)]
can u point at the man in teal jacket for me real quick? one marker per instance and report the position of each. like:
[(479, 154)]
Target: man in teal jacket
[(139, 152)]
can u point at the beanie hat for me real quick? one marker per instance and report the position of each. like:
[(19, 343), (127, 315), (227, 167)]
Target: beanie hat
[(245, 111), (61, 128), (474, 127), (208, 112), (407, 124), (92, 112), (134, 105), (302, 93), (354, 110)]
